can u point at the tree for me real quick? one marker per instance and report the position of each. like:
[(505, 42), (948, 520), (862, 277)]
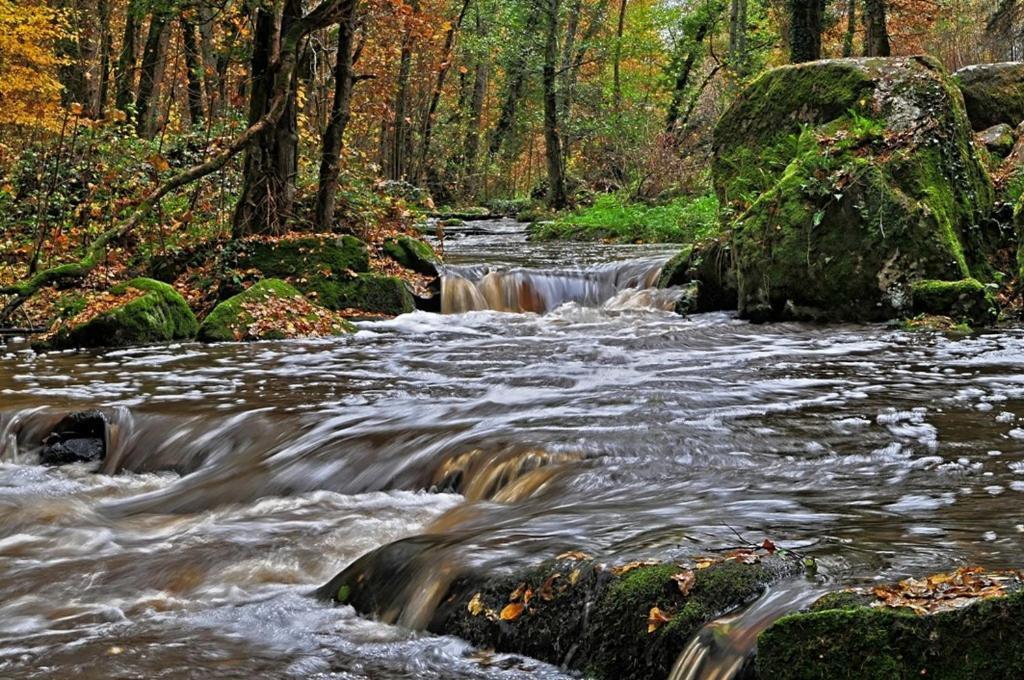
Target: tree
[(556, 197), (805, 17), (876, 37), (29, 63)]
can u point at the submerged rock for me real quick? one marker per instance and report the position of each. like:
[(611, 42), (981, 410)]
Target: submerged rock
[(993, 93), (139, 312), (412, 254), (931, 631), (270, 310), (845, 181), (629, 621), (79, 437)]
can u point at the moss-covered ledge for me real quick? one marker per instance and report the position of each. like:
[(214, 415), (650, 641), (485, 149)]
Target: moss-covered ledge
[(623, 621), (892, 635)]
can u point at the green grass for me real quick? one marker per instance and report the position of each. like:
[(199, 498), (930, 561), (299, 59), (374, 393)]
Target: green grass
[(612, 218)]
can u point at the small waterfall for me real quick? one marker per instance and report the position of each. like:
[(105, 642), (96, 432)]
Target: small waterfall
[(466, 289)]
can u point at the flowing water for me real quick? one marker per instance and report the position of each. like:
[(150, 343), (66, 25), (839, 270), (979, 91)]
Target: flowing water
[(240, 477)]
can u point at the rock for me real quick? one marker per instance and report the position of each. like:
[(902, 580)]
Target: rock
[(332, 257), (374, 293), (993, 93), (998, 140), (710, 264), (270, 310), (966, 301), (79, 437), (141, 311), (626, 622), (412, 254), (846, 180), (844, 636)]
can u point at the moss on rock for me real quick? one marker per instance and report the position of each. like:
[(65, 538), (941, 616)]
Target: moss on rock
[(966, 300), (330, 257), (150, 312), (269, 310), (993, 93), (412, 254), (373, 293), (997, 140), (840, 638), (571, 611), (708, 263), (845, 180)]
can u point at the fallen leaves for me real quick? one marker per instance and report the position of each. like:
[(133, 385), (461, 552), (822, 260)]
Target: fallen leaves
[(476, 605), (512, 611), (685, 580), (656, 619), (630, 566), (946, 591)]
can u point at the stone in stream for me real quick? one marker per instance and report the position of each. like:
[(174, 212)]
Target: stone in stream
[(412, 254), (138, 312), (270, 310), (844, 181), (78, 437), (372, 293), (630, 621), (887, 633), (709, 264), (993, 93)]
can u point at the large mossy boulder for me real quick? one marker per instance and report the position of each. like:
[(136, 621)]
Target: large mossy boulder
[(966, 301), (412, 254), (843, 181), (709, 264), (372, 293), (139, 312), (323, 256), (993, 93), (270, 310), (616, 622), (857, 635)]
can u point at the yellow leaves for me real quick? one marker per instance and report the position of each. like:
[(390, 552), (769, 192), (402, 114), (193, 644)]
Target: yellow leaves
[(29, 88), (656, 619), (476, 605), (630, 566), (512, 611)]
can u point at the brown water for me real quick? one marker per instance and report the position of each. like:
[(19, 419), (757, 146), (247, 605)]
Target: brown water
[(240, 477)]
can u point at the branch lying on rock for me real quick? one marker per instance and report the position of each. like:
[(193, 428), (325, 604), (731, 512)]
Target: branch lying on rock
[(323, 15)]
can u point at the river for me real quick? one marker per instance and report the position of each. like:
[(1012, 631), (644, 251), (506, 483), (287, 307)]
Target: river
[(240, 477)]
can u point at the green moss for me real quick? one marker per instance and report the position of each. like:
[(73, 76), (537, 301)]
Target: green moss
[(966, 300), (983, 640), (231, 321), (324, 256), (373, 293), (992, 93), (159, 315), (412, 254), (837, 200)]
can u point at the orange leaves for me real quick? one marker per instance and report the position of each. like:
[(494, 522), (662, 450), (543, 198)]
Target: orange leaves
[(656, 619), (942, 592), (512, 611)]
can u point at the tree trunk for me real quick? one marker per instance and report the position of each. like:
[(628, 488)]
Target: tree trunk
[(876, 37), (435, 96), (209, 60), (851, 27), (515, 83), (126, 60), (395, 150), (103, 88), (471, 145), (268, 185), (334, 135), (620, 28), (805, 22), (682, 81), (738, 37), (556, 198), (193, 69), (153, 57)]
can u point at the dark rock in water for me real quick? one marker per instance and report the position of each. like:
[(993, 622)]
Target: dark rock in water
[(630, 621), (79, 437), (844, 181), (998, 140), (373, 293), (993, 93), (855, 635)]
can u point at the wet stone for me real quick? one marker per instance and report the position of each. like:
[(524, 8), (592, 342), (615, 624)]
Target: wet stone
[(79, 437)]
